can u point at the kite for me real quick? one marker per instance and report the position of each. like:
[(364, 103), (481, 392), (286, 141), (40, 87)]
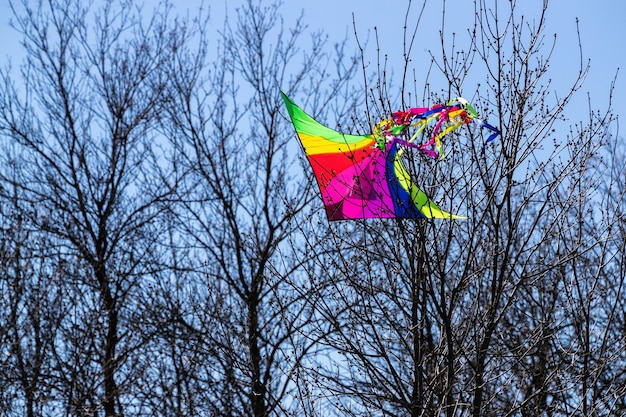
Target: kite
[(362, 176)]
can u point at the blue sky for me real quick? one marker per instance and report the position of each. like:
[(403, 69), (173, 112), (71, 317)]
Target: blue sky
[(600, 23)]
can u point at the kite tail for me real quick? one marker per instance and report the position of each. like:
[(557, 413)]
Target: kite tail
[(493, 136)]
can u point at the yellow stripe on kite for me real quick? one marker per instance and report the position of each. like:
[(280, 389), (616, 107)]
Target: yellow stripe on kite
[(314, 144)]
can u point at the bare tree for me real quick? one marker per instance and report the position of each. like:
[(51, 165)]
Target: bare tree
[(192, 306), (83, 115), (32, 309), (485, 316), (247, 314)]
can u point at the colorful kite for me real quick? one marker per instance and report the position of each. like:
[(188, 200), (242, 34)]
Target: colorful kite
[(363, 176)]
